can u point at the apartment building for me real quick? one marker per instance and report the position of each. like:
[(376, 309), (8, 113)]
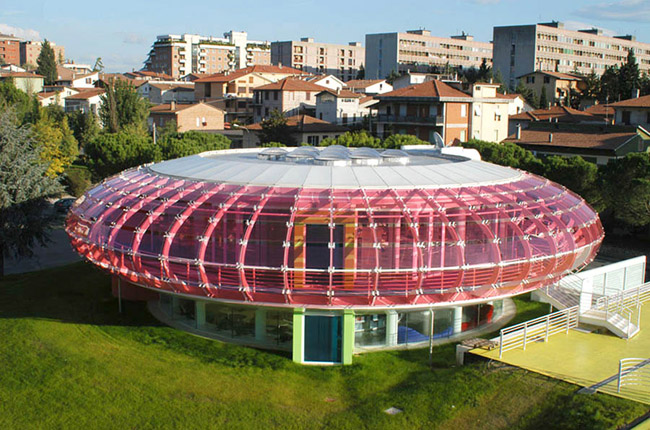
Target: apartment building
[(9, 49), (523, 49), (418, 51), (30, 50), (342, 61), (558, 86), (290, 96), (180, 55)]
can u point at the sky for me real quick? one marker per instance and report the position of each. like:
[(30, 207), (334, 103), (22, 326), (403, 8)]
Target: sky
[(121, 32)]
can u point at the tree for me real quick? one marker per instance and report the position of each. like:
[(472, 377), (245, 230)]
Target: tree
[(619, 180), (275, 129), (610, 85), (58, 147), (527, 93), (576, 174), (498, 79), (24, 188), (176, 145), (110, 153), (485, 71), (361, 74), (122, 107), (396, 141), (629, 76), (84, 126), (99, 65), (506, 154), (543, 98), (47, 63), (354, 139), (25, 107), (392, 76)]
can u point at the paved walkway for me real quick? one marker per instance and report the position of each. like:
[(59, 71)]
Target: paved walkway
[(583, 358), (57, 253)]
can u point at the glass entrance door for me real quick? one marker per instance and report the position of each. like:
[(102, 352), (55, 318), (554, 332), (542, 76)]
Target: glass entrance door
[(323, 338)]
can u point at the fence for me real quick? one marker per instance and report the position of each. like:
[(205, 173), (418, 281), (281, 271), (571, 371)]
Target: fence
[(633, 372), (535, 330)]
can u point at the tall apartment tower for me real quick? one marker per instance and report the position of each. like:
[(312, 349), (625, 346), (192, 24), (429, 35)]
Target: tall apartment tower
[(191, 53), (30, 50), (418, 51), (342, 61), (522, 49), (9, 49)]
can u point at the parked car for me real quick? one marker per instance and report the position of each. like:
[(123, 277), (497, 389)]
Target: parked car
[(64, 205)]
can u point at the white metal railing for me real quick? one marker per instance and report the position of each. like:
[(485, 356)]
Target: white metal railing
[(566, 292), (633, 372), (535, 330), (626, 304)]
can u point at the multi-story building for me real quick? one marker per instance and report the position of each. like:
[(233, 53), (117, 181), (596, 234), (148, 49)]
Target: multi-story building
[(418, 51), (290, 96), (342, 61), (9, 49), (30, 50), (558, 86), (523, 49), (191, 53)]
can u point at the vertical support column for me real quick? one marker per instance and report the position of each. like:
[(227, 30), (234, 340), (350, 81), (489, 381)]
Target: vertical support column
[(174, 306), (260, 324), (391, 328), (347, 347), (199, 314), (298, 335), (458, 319)]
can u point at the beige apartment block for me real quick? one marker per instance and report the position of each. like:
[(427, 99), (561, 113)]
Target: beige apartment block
[(489, 113), (30, 50), (419, 51), (180, 55), (558, 85), (342, 61), (523, 49), (197, 116)]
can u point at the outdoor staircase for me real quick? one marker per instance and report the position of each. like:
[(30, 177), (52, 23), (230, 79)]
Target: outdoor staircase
[(615, 323)]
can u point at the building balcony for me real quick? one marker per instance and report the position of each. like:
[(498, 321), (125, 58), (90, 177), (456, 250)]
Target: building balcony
[(437, 120)]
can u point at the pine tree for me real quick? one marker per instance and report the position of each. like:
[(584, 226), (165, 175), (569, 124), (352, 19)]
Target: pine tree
[(122, 107), (24, 187), (629, 76), (47, 63), (543, 98)]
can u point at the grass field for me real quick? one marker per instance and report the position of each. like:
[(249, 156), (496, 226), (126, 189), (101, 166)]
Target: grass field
[(70, 360)]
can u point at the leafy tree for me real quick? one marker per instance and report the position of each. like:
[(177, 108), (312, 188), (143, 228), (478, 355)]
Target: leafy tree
[(176, 145), (355, 139), (619, 180), (275, 129), (122, 107), (99, 65), (110, 153), (361, 74), (77, 179), (610, 86), (644, 84), (506, 154), (629, 76), (527, 94), (24, 188), (25, 107), (58, 147), (272, 145), (485, 71), (392, 76), (396, 141), (637, 209), (576, 174), (543, 98), (47, 63), (170, 127), (498, 79), (84, 126)]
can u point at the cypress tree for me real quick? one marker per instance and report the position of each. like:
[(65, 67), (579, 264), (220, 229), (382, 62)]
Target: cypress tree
[(47, 63)]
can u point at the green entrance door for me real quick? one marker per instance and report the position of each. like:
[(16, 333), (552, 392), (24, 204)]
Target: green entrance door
[(323, 338)]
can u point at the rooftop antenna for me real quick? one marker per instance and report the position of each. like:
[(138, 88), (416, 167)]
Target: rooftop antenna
[(438, 142)]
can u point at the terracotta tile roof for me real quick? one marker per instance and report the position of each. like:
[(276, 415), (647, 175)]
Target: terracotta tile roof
[(342, 94), (430, 89), (367, 99), (86, 94), (510, 96), (65, 74), (601, 110), (559, 113), (304, 123), (231, 76), (639, 102), (106, 77), (596, 140), (20, 75), (167, 107), (291, 84), (556, 75), (363, 83), (165, 86), (149, 74)]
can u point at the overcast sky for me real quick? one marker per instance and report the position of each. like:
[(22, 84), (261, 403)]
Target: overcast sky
[(121, 32)]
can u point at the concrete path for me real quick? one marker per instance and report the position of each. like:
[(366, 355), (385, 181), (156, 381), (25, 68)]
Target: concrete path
[(57, 253)]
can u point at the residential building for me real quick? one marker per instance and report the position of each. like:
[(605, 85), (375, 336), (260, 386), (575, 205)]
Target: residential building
[(31, 49), (12, 68), (342, 61), (147, 75), (76, 79), (328, 81), (369, 86), (423, 110), (31, 83), (158, 92), (558, 86), (418, 51), (340, 107), (489, 113), (198, 116), (516, 104), (303, 128), (413, 78), (554, 114), (595, 144), (87, 100), (53, 94), (179, 55), (549, 47), (9, 49), (78, 67), (603, 111), (634, 111), (106, 78), (290, 96)]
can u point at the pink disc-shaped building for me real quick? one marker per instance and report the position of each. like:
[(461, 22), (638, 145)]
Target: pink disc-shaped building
[(337, 230)]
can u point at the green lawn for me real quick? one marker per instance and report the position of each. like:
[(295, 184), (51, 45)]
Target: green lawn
[(69, 360)]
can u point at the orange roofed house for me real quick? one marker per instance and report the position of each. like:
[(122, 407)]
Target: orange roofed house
[(197, 116), (290, 96)]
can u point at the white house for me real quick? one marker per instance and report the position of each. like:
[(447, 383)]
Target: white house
[(55, 95), (85, 101), (76, 79), (328, 81), (340, 107), (369, 86), (158, 92)]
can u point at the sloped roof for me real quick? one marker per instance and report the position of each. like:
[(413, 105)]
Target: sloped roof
[(430, 89), (363, 83), (166, 108), (559, 113), (342, 94), (556, 75), (65, 74), (305, 123), (639, 102), (291, 84), (601, 110), (86, 94), (231, 76), (19, 75), (596, 139), (171, 86)]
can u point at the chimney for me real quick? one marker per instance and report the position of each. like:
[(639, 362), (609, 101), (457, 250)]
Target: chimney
[(172, 105), (338, 91), (550, 138), (518, 131)]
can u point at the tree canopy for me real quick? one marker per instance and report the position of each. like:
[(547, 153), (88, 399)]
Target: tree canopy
[(275, 129), (47, 63), (122, 108)]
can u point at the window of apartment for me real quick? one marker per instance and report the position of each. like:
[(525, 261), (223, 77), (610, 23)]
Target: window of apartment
[(275, 95), (198, 121), (266, 112), (463, 110), (312, 140), (266, 95), (342, 52), (626, 117), (462, 135), (308, 96), (547, 80), (250, 80)]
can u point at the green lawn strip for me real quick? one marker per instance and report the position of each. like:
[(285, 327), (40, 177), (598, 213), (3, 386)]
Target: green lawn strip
[(71, 361)]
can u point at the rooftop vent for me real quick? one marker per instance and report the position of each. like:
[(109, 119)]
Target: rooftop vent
[(272, 154)]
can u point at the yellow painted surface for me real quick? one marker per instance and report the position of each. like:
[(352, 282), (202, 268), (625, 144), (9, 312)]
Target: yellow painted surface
[(583, 358)]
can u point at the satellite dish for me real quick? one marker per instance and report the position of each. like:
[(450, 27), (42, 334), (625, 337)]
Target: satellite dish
[(437, 139)]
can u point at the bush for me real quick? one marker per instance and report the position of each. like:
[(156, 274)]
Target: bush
[(396, 141), (176, 145), (77, 179)]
